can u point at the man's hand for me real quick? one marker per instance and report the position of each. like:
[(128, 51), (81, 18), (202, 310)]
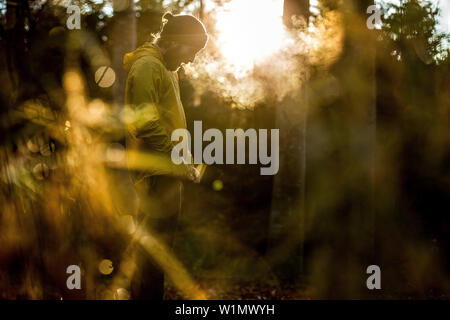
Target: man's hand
[(193, 174)]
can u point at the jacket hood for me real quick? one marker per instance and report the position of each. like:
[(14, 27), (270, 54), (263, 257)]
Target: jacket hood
[(147, 49)]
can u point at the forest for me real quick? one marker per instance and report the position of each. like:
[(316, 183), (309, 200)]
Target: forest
[(364, 150)]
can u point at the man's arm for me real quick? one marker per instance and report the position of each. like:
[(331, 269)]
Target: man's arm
[(144, 97)]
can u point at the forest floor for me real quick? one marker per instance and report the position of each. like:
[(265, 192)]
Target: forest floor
[(221, 290), (243, 291)]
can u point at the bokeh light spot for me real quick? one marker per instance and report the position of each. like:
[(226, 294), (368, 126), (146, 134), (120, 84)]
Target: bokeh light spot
[(121, 294), (40, 171), (106, 267), (217, 185), (105, 77)]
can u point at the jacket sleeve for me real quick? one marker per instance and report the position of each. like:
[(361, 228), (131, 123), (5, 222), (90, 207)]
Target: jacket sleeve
[(144, 87), (144, 96)]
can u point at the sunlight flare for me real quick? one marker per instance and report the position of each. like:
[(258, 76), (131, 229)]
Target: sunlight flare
[(246, 36)]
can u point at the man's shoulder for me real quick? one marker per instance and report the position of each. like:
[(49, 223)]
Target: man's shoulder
[(148, 65)]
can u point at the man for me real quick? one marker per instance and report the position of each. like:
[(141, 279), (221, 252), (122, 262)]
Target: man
[(153, 95)]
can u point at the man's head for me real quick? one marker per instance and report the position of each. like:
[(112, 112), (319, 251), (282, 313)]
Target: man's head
[(181, 37)]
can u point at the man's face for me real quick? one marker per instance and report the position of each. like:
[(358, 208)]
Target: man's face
[(179, 54)]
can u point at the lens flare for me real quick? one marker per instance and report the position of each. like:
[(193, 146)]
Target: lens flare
[(246, 36)]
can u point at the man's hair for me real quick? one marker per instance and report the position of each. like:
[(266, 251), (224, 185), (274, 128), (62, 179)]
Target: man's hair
[(183, 29)]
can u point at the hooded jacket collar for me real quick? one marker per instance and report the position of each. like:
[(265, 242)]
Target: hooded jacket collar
[(146, 49)]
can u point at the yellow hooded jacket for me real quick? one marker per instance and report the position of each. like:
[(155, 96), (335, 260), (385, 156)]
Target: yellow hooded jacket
[(153, 97)]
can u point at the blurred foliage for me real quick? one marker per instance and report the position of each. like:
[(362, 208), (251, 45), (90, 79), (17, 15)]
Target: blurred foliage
[(414, 23)]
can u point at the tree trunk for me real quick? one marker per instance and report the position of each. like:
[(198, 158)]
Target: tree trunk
[(287, 221)]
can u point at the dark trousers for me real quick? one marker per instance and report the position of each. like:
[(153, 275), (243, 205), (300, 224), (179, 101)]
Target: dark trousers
[(160, 200)]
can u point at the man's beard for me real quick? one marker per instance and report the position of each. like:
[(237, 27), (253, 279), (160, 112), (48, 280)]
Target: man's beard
[(172, 60), (173, 67)]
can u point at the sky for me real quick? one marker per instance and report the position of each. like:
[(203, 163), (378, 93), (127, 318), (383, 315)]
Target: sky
[(445, 18)]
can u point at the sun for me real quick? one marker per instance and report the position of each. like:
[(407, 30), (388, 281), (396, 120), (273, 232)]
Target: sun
[(248, 32)]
